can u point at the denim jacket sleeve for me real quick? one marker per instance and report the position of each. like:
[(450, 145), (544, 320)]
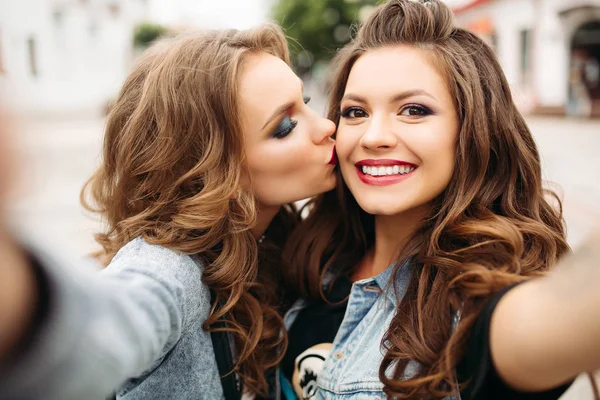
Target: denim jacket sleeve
[(102, 328)]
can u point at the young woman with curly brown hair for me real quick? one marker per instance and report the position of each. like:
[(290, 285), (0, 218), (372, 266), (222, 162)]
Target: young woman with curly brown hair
[(208, 144), (440, 212)]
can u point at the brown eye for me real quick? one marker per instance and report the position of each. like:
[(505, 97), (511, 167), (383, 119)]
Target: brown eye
[(354, 112), (415, 110)]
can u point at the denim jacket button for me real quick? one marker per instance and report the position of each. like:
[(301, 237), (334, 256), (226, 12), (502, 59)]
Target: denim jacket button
[(338, 355)]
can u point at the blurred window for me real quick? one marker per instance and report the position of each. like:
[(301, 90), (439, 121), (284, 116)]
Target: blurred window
[(494, 42), (31, 51), (93, 28), (2, 70), (58, 16), (525, 47)]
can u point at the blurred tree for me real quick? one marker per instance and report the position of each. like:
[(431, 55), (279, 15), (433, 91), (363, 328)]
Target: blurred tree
[(319, 27), (146, 33)]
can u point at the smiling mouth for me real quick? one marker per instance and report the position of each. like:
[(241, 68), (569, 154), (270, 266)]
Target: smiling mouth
[(381, 173), (389, 170)]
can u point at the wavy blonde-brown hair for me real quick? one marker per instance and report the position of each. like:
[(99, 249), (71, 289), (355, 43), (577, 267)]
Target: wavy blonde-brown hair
[(492, 226), (172, 161)]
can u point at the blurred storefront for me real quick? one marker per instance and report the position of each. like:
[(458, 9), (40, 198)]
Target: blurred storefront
[(549, 49), (65, 56)]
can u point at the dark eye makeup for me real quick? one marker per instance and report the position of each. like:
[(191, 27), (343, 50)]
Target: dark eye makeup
[(287, 124), (284, 128)]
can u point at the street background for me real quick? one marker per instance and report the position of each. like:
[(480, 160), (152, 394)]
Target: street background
[(63, 61)]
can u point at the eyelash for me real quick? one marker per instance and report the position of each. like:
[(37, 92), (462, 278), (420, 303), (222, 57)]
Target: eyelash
[(345, 113), (285, 127), (424, 111), (282, 132)]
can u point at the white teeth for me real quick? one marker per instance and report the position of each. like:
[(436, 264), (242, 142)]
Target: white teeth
[(390, 170)]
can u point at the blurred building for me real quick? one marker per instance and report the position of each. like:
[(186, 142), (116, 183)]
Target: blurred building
[(65, 56), (209, 14), (549, 50)]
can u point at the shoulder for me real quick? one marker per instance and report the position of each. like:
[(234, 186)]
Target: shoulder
[(140, 248), (178, 274), (150, 257)]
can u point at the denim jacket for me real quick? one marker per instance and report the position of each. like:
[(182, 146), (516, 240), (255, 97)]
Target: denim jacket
[(141, 318), (351, 371)]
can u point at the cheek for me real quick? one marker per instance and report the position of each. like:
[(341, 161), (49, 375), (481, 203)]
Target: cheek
[(272, 165), (346, 141), (345, 144), (278, 162), (438, 155)]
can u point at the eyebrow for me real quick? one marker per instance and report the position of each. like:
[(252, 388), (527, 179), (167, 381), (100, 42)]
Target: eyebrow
[(399, 97), (283, 108)]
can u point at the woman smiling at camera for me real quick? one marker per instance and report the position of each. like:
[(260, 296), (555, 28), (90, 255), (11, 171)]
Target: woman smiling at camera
[(409, 271)]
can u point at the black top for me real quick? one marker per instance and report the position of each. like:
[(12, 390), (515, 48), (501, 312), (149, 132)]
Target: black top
[(319, 323), (478, 365)]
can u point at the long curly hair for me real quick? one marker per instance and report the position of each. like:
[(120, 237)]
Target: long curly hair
[(173, 160), (493, 225)]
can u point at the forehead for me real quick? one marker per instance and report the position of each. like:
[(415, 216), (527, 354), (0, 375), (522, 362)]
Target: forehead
[(265, 83), (387, 70)]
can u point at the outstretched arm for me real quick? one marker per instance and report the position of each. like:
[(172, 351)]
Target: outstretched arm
[(547, 331)]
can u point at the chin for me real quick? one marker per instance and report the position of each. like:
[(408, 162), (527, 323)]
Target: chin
[(377, 207), (331, 186), (379, 211), (327, 184)]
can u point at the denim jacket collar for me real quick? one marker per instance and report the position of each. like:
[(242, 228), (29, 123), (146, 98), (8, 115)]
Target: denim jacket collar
[(401, 284)]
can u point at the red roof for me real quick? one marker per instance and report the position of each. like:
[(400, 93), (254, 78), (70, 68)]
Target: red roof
[(468, 6)]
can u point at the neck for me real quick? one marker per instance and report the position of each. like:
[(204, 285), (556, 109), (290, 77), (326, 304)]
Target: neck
[(263, 220), (392, 233)]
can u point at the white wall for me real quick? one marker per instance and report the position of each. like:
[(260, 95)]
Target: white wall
[(82, 56), (551, 44), (509, 19), (238, 14), (550, 58)]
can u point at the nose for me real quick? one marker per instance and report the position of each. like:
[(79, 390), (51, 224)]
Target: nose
[(323, 131), (378, 136)]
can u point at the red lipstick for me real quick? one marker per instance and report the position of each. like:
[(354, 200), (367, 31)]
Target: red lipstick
[(383, 162), (383, 180), (333, 160)]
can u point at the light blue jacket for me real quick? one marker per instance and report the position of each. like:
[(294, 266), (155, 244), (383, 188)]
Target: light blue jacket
[(351, 371), (140, 318)]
